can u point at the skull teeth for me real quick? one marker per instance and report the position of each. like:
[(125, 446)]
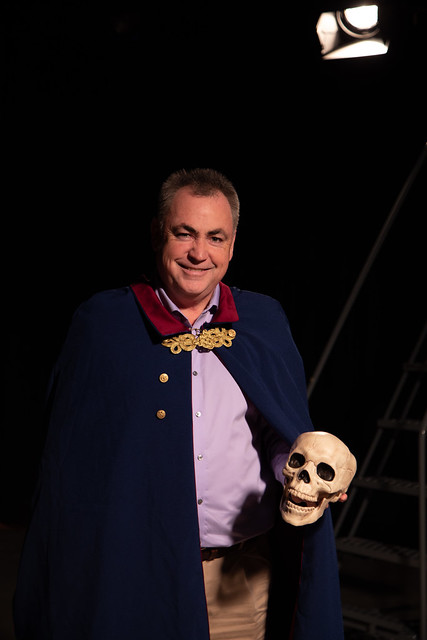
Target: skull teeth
[(300, 502)]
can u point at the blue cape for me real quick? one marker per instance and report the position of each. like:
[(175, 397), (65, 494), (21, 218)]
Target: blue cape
[(112, 551)]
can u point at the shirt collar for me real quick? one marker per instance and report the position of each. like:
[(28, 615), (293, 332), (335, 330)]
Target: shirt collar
[(205, 316), (222, 307)]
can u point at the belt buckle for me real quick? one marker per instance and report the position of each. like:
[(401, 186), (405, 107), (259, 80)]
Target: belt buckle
[(210, 553)]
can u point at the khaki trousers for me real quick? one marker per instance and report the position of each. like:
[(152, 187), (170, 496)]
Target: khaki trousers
[(236, 589)]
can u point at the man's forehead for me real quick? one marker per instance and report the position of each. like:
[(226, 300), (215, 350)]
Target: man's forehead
[(200, 213)]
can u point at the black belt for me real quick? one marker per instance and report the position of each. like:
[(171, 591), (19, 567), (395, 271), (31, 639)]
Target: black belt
[(211, 553)]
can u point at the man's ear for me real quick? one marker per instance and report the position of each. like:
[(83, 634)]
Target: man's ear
[(156, 236)]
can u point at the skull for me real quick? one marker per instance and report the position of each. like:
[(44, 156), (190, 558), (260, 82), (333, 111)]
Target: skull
[(319, 470)]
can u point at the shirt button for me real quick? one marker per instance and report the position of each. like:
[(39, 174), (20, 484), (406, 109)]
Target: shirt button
[(198, 414), (161, 413), (199, 501), (200, 456), (163, 377), (195, 373)]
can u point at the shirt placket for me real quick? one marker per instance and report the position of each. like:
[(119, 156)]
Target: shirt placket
[(200, 422)]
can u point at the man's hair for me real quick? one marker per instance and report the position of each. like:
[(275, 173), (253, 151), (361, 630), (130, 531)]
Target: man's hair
[(203, 182)]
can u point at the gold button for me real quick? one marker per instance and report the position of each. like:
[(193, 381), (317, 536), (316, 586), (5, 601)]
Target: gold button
[(163, 377), (161, 414)]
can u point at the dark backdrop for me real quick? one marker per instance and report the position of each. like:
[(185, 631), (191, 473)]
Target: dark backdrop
[(102, 102)]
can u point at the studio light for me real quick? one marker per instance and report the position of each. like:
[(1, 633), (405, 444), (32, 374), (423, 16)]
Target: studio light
[(351, 33)]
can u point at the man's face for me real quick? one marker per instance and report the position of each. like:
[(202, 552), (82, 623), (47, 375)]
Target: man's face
[(196, 248)]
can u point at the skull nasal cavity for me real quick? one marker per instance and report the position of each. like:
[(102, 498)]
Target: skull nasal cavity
[(304, 476)]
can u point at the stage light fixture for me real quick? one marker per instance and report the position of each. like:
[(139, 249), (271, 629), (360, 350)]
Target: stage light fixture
[(351, 33)]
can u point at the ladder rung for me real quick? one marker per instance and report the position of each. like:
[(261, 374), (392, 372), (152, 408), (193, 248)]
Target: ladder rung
[(392, 485), (403, 425), (417, 367), (374, 619), (379, 551)]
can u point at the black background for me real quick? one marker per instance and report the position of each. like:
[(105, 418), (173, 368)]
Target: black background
[(103, 101)]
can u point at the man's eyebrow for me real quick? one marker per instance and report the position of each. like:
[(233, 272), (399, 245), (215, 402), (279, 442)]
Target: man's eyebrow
[(217, 232), (183, 226), (187, 227)]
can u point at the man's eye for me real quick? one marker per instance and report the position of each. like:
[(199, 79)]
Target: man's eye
[(216, 239)]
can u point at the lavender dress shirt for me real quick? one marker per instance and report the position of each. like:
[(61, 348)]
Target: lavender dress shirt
[(238, 457)]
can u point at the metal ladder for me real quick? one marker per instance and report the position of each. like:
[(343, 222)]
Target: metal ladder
[(405, 417)]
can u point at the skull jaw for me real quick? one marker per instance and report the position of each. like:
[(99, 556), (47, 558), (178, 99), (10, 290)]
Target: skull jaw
[(297, 514)]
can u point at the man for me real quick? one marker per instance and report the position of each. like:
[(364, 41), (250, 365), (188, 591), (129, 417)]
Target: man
[(174, 404)]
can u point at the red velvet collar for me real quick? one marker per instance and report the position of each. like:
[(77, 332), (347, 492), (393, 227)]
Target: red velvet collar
[(166, 324)]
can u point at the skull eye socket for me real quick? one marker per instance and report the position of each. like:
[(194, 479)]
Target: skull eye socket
[(325, 471), (296, 460)]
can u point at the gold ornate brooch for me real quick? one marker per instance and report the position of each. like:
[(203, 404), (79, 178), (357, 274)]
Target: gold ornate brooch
[(207, 339)]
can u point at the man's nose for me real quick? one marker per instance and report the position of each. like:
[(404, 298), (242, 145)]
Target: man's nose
[(199, 250)]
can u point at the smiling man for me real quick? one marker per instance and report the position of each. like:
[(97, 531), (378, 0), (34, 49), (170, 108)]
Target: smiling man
[(173, 406), (194, 246)]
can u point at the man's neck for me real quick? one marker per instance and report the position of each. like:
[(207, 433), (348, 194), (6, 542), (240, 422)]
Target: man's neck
[(193, 312), (190, 310)]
